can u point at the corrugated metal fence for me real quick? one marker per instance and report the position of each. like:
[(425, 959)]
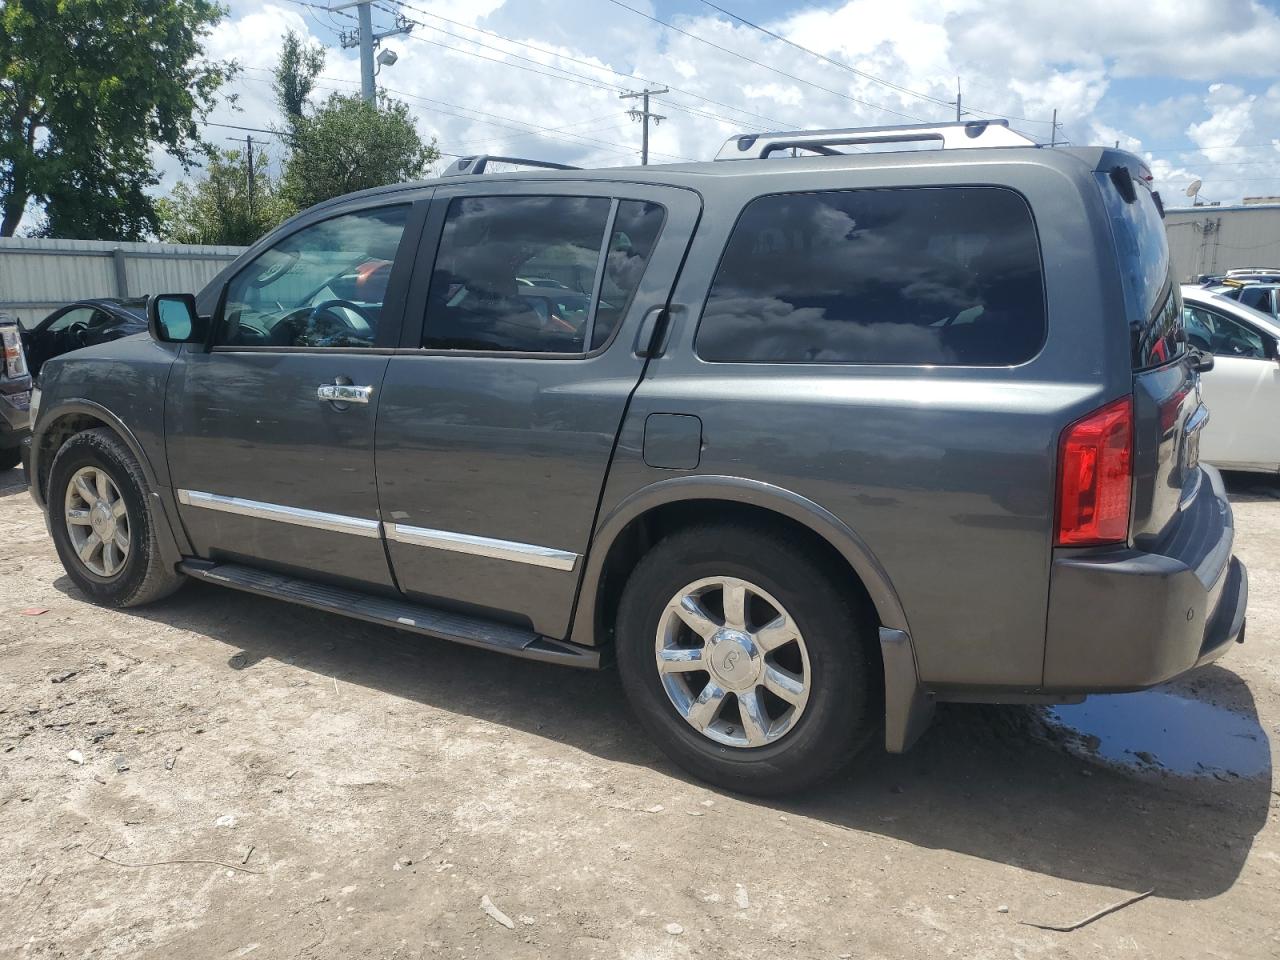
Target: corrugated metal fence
[(38, 275)]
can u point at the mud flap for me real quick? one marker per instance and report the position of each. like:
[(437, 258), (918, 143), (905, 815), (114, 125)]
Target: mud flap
[(908, 709)]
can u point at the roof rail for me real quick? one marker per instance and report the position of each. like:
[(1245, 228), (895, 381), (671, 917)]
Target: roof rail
[(973, 133), (477, 164)]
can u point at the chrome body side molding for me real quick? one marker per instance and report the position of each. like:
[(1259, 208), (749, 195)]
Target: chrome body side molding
[(482, 546), (333, 522), (357, 526)]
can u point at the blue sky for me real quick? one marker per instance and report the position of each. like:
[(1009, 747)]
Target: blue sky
[(1192, 85)]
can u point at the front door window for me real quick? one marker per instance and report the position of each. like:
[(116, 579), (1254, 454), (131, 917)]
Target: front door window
[(323, 286)]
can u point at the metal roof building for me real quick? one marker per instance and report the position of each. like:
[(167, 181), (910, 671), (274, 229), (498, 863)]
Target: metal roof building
[(1212, 240)]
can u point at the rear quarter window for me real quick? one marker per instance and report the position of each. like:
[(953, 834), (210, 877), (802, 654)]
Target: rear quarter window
[(1153, 302), (914, 275)]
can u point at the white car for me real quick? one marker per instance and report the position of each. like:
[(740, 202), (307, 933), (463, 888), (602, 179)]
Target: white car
[(1242, 391)]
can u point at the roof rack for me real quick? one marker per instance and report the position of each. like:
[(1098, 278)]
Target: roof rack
[(477, 164), (973, 133)]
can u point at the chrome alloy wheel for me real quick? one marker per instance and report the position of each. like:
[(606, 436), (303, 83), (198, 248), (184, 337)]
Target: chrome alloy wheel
[(97, 521), (732, 662)]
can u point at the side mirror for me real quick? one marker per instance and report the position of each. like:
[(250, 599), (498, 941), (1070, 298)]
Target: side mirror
[(172, 318)]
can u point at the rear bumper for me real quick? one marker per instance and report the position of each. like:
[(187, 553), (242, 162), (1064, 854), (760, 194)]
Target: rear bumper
[(1128, 619)]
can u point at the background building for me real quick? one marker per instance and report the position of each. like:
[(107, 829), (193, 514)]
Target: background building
[(1216, 239)]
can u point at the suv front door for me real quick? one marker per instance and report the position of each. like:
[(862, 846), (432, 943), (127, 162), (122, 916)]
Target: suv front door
[(500, 412), (270, 432)]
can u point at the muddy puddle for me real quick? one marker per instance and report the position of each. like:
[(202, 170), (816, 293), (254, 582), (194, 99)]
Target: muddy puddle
[(1155, 731)]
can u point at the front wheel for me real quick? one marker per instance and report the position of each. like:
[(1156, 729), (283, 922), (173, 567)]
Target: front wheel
[(101, 523), (746, 660)]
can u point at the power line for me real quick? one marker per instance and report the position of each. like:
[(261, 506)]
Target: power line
[(569, 75), (862, 73), (578, 123), (835, 63), (1219, 146), (236, 126), (1236, 163), (578, 141), (630, 77), (765, 66), (525, 126)]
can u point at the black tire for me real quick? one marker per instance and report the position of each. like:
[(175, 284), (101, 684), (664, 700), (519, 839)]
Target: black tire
[(10, 457), (844, 705), (144, 577)]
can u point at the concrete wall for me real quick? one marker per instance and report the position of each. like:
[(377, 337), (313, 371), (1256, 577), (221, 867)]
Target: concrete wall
[(1217, 239), (38, 275)]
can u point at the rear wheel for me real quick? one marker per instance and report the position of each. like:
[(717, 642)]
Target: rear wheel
[(745, 660), (99, 511)]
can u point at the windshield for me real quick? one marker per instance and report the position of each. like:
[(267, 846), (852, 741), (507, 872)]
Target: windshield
[(136, 307), (1152, 301)]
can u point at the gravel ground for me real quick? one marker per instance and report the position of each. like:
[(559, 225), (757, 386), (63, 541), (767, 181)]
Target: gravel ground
[(259, 779)]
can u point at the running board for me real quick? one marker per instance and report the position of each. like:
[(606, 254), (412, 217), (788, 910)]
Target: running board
[(459, 628)]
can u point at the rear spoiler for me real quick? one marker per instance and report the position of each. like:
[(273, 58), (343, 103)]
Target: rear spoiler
[(1126, 176)]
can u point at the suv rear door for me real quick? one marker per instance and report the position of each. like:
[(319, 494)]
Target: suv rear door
[(1168, 414), (500, 411), (267, 470)]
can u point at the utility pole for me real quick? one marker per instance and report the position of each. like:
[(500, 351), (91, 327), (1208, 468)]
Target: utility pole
[(252, 177), (1053, 136), (959, 99), (253, 185), (644, 116), (367, 40)]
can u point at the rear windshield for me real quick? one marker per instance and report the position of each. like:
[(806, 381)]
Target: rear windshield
[(1152, 301)]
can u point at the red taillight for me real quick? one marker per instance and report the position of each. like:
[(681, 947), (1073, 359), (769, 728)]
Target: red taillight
[(1095, 477)]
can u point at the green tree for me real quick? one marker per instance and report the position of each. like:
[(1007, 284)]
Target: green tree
[(226, 206), (87, 89), (295, 75), (348, 144)]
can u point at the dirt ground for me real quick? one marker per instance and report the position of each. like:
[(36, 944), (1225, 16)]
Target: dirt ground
[(262, 780)]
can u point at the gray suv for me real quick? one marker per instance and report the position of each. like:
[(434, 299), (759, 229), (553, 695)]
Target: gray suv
[(805, 443)]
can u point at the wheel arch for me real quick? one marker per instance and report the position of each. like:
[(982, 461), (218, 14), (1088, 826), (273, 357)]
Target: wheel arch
[(65, 420), (70, 417), (669, 500), (621, 538)]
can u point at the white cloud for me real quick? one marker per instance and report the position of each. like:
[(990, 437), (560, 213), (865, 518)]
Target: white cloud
[(1017, 59)]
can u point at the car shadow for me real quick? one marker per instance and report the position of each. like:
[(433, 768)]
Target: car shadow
[(11, 481), (971, 785), (1251, 487)]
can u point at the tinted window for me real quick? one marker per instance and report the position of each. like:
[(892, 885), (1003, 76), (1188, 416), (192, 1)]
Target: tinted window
[(516, 274), (928, 275), (1153, 303), (635, 232), (323, 286), (1210, 330), (1257, 297)]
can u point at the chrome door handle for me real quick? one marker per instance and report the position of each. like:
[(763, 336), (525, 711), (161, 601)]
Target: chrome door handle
[(343, 393)]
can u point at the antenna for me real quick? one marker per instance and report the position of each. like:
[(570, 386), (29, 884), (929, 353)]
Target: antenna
[(1193, 191)]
